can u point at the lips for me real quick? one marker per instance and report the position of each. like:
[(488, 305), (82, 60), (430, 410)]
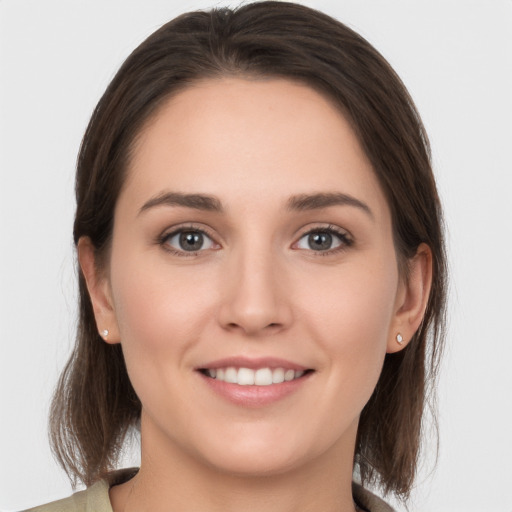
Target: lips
[(254, 382), (254, 377)]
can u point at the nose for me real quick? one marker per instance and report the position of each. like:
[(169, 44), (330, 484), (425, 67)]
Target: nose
[(255, 299)]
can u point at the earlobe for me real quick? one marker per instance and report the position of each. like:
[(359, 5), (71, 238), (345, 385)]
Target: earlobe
[(412, 300), (99, 290)]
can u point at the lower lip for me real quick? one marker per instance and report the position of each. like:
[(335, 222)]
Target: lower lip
[(255, 396)]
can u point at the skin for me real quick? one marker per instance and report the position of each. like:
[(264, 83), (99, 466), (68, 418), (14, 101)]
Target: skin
[(257, 289)]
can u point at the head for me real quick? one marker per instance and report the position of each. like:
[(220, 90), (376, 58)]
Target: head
[(295, 50)]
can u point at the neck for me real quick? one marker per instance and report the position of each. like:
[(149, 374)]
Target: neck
[(171, 478)]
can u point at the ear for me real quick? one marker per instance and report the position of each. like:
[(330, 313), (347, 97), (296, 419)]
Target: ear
[(98, 286), (412, 299)]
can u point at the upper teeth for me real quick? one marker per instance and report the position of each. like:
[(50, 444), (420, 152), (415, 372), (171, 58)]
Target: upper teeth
[(249, 377)]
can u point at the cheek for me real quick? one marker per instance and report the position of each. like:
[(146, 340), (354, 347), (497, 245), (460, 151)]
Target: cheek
[(160, 309), (350, 317), (161, 312)]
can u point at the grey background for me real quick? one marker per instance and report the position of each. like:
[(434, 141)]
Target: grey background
[(455, 56)]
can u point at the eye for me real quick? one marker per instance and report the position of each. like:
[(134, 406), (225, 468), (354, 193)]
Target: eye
[(323, 240), (188, 240)]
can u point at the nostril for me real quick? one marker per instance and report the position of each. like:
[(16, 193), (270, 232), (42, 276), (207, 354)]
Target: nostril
[(234, 325)]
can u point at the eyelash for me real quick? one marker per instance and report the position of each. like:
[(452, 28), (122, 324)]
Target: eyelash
[(164, 238), (343, 236), (345, 240)]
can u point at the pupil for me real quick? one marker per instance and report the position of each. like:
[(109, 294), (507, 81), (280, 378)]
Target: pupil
[(191, 241), (320, 240)]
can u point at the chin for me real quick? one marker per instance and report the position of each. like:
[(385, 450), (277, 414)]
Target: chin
[(258, 455)]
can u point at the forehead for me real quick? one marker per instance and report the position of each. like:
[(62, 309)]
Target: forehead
[(259, 139)]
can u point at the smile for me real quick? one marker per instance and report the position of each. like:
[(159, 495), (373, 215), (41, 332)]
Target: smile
[(253, 377)]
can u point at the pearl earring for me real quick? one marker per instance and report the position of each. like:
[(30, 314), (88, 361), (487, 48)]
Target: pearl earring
[(399, 338), (104, 332)]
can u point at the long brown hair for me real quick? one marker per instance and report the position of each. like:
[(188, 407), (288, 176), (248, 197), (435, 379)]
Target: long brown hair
[(95, 405)]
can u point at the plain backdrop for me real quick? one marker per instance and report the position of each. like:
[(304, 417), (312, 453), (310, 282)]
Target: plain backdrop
[(455, 56)]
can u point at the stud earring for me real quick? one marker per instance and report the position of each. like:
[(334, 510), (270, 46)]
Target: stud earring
[(399, 338), (104, 333)]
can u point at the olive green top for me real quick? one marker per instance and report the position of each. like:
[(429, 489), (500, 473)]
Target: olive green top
[(96, 499)]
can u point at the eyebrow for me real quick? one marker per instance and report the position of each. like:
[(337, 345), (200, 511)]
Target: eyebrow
[(304, 202), (195, 201), (300, 202)]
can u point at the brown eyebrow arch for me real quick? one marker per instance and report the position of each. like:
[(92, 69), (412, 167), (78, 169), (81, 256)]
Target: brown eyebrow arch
[(303, 202), (195, 201)]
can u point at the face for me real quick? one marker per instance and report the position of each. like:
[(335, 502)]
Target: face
[(253, 280)]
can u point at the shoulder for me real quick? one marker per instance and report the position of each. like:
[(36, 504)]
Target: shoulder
[(93, 499), (369, 501)]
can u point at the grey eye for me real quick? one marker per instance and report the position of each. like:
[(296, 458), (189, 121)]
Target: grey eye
[(320, 240), (190, 241)]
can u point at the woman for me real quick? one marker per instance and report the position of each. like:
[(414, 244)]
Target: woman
[(262, 272)]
